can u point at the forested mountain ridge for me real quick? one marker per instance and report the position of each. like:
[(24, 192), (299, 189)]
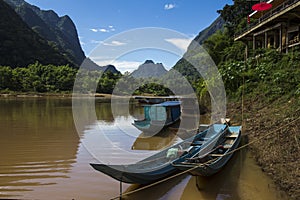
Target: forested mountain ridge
[(20, 45), (184, 67), (210, 30), (60, 32)]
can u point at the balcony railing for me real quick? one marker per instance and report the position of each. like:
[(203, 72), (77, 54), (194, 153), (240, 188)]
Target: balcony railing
[(267, 16)]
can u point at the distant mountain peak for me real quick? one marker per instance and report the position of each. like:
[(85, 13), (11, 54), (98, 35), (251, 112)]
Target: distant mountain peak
[(149, 69), (91, 65), (149, 62)]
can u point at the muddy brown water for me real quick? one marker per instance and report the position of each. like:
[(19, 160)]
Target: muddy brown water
[(44, 157)]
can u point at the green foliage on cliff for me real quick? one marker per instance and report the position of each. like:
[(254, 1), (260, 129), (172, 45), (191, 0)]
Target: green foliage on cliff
[(20, 45), (235, 16), (59, 32)]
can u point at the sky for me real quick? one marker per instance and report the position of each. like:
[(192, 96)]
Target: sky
[(97, 21)]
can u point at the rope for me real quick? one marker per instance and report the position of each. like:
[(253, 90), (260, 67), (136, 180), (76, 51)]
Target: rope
[(201, 164), (155, 183)]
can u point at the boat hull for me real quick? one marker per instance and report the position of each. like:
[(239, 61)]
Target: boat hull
[(159, 166), (135, 178), (209, 168)]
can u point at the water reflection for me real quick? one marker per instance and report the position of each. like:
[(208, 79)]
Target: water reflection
[(38, 143), (163, 139), (104, 110)]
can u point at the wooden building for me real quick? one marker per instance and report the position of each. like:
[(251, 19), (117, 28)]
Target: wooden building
[(277, 28)]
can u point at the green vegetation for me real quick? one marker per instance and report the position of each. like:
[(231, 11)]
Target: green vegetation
[(49, 78), (271, 74), (52, 79), (37, 78), (235, 15), (267, 72)]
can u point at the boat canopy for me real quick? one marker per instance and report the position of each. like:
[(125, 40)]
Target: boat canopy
[(158, 112), (168, 104)]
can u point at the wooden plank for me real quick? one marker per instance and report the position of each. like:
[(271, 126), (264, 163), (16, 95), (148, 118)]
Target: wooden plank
[(216, 155), (233, 135)]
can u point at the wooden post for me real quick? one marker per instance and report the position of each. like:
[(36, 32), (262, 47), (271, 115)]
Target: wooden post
[(246, 52), (287, 37), (266, 39), (121, 190), (253, 43), (280, 38)]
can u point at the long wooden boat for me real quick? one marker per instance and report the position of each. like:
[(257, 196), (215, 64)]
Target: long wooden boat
[(158, 116), (211, 162), (154, 99), (159, 165)]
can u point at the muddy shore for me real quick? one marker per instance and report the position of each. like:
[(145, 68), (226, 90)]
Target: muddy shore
[(274, 129)]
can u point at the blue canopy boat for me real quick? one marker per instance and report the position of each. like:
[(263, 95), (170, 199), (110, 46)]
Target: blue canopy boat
[(159, 165), (158, 116), (209, 163)]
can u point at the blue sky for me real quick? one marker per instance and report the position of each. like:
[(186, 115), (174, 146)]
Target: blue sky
[(98, 20)]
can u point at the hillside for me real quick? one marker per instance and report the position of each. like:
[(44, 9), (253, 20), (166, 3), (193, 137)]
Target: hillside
[(186, 68), (263, 95), (210, 30), (149, 69), (271, 102), (20, 45), (60, 32)]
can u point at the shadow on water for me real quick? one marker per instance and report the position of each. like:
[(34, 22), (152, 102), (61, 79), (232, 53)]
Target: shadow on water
[(239, 179), (219, 186), (155, 192)]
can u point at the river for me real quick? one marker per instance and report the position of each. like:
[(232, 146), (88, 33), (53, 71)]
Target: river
[(43, 156)]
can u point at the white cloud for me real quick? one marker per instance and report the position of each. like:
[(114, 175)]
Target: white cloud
[(103, 30), (94, 30), (96, 41), (110, 28), (181, 43), (169, 6), (124, 66), (114, 43)]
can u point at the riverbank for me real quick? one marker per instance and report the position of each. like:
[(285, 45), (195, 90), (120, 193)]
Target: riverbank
[(278, 150), (57, 95)]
